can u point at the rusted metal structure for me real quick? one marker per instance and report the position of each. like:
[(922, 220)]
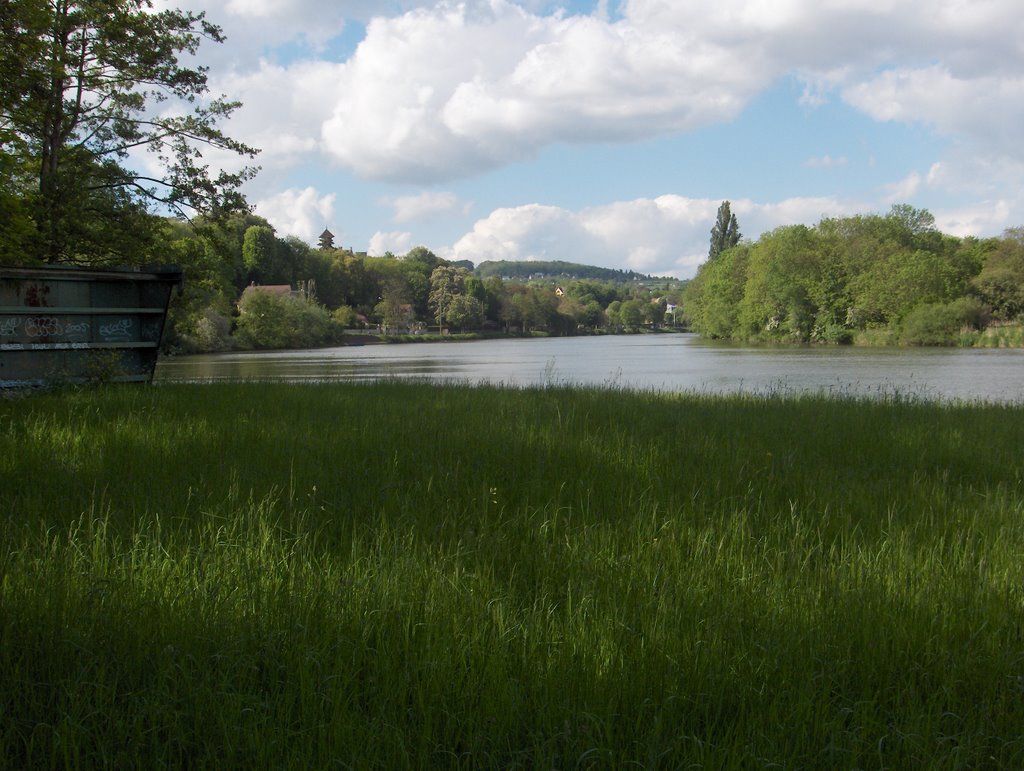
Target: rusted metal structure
[(72, 325)]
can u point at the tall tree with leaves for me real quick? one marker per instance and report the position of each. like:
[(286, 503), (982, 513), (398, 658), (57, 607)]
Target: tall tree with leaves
[(89, 83), (726, 232), (446, 283)]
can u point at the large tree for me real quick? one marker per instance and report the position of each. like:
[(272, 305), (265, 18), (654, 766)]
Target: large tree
[(264, 256), (1000, 283), (726, 232), (446, 282), (87, 85)]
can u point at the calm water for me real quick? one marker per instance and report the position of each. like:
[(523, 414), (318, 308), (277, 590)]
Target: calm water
[(662, 362)]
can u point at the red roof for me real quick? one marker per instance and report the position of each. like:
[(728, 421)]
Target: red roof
[(281, 290)]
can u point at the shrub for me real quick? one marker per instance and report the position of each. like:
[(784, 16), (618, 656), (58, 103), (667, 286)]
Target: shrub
[(941, 323), (269, 321), (346, 316), (837, 334)]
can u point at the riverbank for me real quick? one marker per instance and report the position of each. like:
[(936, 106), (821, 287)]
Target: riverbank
[(373, 338), (380, 338), (994, 336), (407, 576)]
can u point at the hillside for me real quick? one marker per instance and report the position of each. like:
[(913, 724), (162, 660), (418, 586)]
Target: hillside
[(555, 269)]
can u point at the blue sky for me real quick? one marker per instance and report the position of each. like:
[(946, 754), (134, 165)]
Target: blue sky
[(609, 132)]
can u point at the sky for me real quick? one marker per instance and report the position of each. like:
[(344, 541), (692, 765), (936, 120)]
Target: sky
[(608, 133)]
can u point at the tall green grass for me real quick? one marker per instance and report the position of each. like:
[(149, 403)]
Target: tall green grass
[(407, 576), (995, 336)]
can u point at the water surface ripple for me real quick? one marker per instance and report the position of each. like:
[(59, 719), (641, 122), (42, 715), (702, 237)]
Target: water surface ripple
[(663, 362)]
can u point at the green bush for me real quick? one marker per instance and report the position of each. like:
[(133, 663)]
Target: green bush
[(837, 334), (199, 331), (941, 323), (345, 316), (268, 321)]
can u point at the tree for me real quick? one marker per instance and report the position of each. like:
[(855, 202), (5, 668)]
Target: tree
[(711, 302), (654, 311), (445, 283), (200, 315), (781, 277), (16, 235), (394, 310), (631, 313), (423, 257), (82, 82), (612, 314), (416, 268), (466, 312), (726, 232), (537, 306), (592, 316), (1001, 281), (261, 255), (911, 221)]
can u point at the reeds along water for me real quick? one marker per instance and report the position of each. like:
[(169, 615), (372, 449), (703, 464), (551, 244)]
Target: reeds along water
[(406, 576)]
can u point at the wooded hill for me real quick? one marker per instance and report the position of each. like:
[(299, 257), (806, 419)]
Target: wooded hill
[(867, 278), (522, 271)]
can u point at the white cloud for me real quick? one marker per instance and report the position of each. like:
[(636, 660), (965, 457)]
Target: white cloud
[(394, 242), (976, 219), (755, 219), (447, 90), (981, 176), (937, 174), (454, 90), (988, 109), (303, 213), (282, 109), (423, 205), (903, 190), (668, 235), (530, 232)]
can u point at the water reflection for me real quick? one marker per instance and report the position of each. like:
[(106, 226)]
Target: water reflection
[(662, 362)]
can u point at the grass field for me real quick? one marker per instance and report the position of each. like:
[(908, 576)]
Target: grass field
[(412, 576)]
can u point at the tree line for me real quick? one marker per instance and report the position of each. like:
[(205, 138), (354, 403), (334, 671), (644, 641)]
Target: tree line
[(229, 266), (556, 269), (890, 278)]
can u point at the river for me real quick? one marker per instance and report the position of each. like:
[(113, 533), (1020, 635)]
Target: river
[(665, 362)]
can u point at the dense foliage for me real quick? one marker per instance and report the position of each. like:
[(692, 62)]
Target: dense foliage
[(272, 321), (86, 86), (892, 278)]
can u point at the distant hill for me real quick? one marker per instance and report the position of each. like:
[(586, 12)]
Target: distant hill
[(556, 269)]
